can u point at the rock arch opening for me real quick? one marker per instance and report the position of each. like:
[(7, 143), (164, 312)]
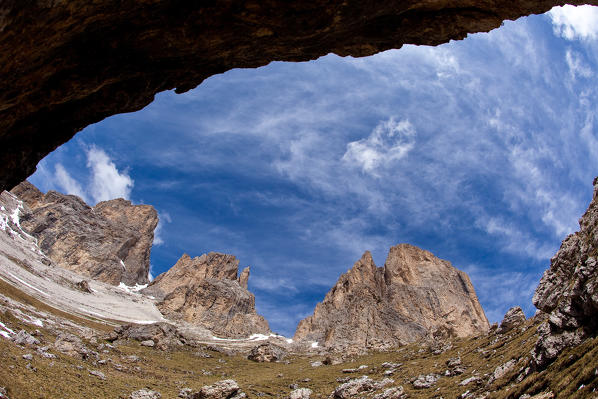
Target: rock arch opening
[(44, 105)]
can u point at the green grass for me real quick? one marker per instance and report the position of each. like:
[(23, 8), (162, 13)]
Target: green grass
[(168, 372)]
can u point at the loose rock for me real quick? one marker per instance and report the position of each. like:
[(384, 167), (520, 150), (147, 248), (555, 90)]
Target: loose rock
[(24, 338), (225, 389), (145, 394), (301, 393), (501, 370), (392, 393), (425, 381), (359, 386)]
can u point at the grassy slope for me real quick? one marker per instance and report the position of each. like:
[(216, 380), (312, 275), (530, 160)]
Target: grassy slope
[(168, 372)]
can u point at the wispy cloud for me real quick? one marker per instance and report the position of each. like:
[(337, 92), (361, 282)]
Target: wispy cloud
[(513, 240), (577, 66), (500, 289)]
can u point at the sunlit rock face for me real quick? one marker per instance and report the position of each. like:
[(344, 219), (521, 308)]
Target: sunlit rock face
[(206, 291), (414, 295), (67, 64), (568, 291), (110, 242)]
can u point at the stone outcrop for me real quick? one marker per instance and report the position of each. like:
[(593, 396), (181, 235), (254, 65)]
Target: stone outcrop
[(414, 295), (206, 291), (67, 64), (568, 291), (513, 318), (110, 242), (162, 335)]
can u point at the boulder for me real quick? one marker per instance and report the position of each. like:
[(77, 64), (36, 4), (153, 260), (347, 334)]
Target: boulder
[(513, 318), (266, 352), (71, 345), (502, 370), (392, 393), (359, 387), (160, 335), (145, 394), (225, 389), (83, 286), (24, 338), (425, 381), (301, 393)]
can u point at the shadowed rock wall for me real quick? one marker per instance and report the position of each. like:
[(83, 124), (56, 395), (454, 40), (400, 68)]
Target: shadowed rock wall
[(67, 64)]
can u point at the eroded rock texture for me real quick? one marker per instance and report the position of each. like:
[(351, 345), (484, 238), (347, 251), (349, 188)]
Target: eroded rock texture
[(110, 242), (67, 64), (206, 291), (412, 296), (568, 291)]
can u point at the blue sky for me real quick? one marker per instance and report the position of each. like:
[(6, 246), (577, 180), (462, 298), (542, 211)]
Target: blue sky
[(482, 151)]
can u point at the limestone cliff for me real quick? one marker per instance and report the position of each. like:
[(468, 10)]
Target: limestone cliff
[(67, 64), (110, 242), (568, 291), (206, 291), (413, 295)]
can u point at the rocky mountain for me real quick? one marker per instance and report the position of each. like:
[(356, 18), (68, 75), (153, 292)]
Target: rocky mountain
[(206, 291), (568, 291), (412, 296), (110, 242)]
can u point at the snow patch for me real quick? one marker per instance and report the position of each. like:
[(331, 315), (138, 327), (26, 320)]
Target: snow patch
[(145, 321), (36, 321), (314, 344), (25, 283), (123, 265), (10, 222), (131, 289), (253, 337), (2, 325), (4, 334)]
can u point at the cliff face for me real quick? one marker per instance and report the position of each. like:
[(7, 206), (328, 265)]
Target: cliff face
[(67, 64), (414, 295), (110, 242), (568, 291), (206, 291)]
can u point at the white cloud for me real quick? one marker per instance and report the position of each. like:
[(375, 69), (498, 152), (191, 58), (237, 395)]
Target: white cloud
[(103, 181), (150, 275), (572, 22), (106, 181), (163, 217), (388, 142), (67, 184)]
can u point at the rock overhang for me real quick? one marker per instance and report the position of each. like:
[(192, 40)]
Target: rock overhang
[(65, 65)]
